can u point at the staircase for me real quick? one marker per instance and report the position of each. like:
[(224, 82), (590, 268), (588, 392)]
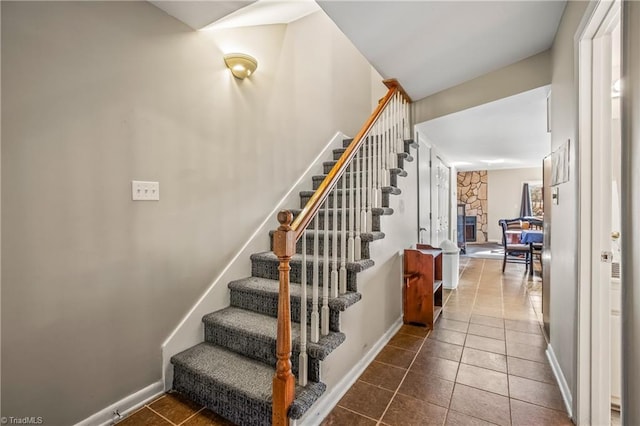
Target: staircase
[(232, 371)]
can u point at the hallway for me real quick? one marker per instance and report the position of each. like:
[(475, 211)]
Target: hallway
[(484, 363)]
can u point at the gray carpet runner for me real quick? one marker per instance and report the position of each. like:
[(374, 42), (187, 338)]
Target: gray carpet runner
[(231, 372)]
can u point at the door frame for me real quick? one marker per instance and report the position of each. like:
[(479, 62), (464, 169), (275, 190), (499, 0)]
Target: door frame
[(593, 393), (423, 158)]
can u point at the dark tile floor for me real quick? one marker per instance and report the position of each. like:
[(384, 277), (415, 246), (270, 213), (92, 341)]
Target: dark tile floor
[(172, 409), (484, 363)]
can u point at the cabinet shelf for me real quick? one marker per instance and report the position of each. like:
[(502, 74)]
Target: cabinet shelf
[(422, 287)]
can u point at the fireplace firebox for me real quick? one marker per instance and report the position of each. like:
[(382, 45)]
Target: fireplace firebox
[(470, 228)]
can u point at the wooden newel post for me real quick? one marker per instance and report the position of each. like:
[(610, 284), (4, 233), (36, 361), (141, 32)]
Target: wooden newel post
[(283, 382)]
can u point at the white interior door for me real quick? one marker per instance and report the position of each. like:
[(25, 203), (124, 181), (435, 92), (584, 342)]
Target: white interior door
[(424, 192), (615, 228), (440, 204)]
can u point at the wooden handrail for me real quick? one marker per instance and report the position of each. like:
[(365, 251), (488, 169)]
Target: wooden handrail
[(393, 83), (284, 246), (318, 197)]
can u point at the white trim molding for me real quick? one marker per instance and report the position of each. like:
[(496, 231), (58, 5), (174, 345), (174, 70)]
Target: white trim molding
[(125, 406), (328, 401), (593, 354), (562, 382)]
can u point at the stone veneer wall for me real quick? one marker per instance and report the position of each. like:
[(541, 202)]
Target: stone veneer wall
[(472, 192)]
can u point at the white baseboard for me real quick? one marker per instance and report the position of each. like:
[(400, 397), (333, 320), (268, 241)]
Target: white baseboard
[(328, 401), (125, 406), (562, 382)]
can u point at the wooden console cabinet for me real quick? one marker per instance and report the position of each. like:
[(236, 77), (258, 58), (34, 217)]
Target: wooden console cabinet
[(422, 286)]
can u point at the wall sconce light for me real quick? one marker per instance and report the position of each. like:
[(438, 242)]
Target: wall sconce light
[(241, 65)]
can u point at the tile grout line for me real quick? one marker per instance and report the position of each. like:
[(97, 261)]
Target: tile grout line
[(473, 304), (403, 378), (160, 415), (506, 353), (191, 416), (355, 412)]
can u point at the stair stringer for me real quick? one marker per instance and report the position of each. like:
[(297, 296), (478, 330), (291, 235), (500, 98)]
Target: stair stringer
[(374, 319), (189, 332)]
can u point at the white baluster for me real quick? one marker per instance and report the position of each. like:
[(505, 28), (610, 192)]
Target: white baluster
[(315, 316), (302, 360), (343, 236), (378, 165), (407, 125), (334, 245), (324, 313), (400, 138), (352, 201), (370, 184), (391, 129), (376, 168), (386, 179), (387, 130), (364, 185), (358, 206)]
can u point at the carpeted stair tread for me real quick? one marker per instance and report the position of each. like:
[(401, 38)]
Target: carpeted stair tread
[(385, 190), (407, 157), (241, 375), (393, 171), (409, 142), (356, 266), (393, 174), (380, 211), (401, 156), (261, 295), (267, 286), (364, 236), (339, 151), (264, 328)]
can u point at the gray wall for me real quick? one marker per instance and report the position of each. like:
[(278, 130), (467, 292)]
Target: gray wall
[(96, 94), (529, 73), (505, 195), (564, 216)]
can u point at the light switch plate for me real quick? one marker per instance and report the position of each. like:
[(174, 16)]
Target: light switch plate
[(145, 191)]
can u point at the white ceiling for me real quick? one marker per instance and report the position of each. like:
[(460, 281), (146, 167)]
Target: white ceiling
[(430, 46), (504, 134), (433, 45), (213, 14), (198, 14), (266, 12)]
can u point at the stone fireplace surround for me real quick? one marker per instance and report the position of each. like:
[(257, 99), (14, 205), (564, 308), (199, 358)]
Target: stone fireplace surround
[(472, 192)]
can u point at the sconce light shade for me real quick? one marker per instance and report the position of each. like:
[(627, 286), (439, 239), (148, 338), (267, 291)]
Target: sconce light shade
[(241, 65)]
